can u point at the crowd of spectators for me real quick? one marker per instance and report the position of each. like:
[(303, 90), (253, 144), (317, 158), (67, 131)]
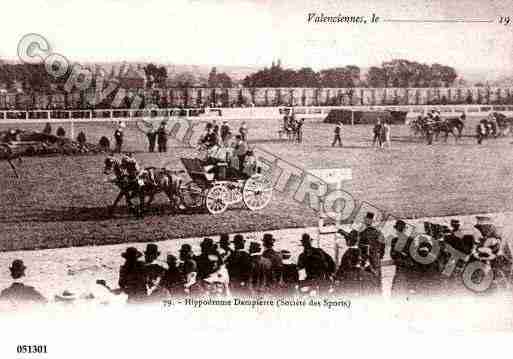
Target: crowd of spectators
[(233, 267)]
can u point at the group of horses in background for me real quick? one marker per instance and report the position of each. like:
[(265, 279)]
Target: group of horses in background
[(431, 127)]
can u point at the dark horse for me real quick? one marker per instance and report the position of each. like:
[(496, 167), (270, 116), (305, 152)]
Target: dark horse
[(504, 123), (451, 125), (150, 181)]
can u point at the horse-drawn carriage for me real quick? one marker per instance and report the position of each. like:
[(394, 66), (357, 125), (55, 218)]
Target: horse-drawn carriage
[(215, 187)]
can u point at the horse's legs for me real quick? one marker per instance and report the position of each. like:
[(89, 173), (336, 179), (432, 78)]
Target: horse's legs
[(150, 199), (140, 212), (13, 168), (118, 198)]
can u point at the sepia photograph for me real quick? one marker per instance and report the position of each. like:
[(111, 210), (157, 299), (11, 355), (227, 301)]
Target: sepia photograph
[(263, 169)]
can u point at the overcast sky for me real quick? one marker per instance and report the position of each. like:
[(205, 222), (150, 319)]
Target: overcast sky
[(254, 32)]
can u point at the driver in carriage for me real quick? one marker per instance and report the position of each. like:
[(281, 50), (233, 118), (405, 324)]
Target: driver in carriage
[(491, 247)]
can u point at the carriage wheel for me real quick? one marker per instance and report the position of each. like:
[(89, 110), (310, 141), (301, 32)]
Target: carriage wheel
[(192, 195), (215, 199), (257, 193)]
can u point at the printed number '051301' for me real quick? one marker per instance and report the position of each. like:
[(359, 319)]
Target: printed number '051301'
[(31, 349)]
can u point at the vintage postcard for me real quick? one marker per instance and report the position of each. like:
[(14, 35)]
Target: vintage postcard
[(314, 172)]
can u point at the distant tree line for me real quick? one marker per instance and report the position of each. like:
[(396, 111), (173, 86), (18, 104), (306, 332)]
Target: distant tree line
[(395, 73)]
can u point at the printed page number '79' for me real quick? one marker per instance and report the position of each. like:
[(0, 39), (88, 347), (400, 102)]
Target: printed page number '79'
[(504, 20)]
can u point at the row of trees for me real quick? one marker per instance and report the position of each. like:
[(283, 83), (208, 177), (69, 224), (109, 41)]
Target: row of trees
[(404, 73), (395, 73)]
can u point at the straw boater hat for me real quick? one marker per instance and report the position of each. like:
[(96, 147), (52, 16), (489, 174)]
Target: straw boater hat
[(66, 297)]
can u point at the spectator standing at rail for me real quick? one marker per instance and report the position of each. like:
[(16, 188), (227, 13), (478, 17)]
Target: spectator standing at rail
[(481, 131), (261, 270), (273, 256), (336, 133), (243, 131), (403, 280), (224, 246), (387, 137), (225, 133), (372, 245), (118, 137), (239, 266), (318, 265), (299, 130), (47, 129), (153, 269), (347, 276), (152, 139), (172, 280), (377, 134), (162, 137), (132, 276), (289, 281), (208, 248), (18, 292)]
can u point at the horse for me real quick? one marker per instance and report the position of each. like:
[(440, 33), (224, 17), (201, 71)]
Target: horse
[(504, 124), (432, 129), (128, 189), (151, 181), (457, 123)]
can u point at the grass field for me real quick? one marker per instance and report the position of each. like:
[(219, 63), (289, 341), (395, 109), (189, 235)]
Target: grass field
[(61, 201)]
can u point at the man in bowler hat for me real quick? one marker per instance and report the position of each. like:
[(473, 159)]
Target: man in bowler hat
[(273, 256), (261, 269), (153, 269), (239, 265), (19, 292), (372, 245), (132, 276)]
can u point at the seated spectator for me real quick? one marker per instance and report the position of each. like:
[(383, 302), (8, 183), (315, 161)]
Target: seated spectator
[(132, 276), (19, 293)]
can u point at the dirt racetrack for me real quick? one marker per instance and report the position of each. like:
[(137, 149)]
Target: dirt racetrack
[(61, 201)]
